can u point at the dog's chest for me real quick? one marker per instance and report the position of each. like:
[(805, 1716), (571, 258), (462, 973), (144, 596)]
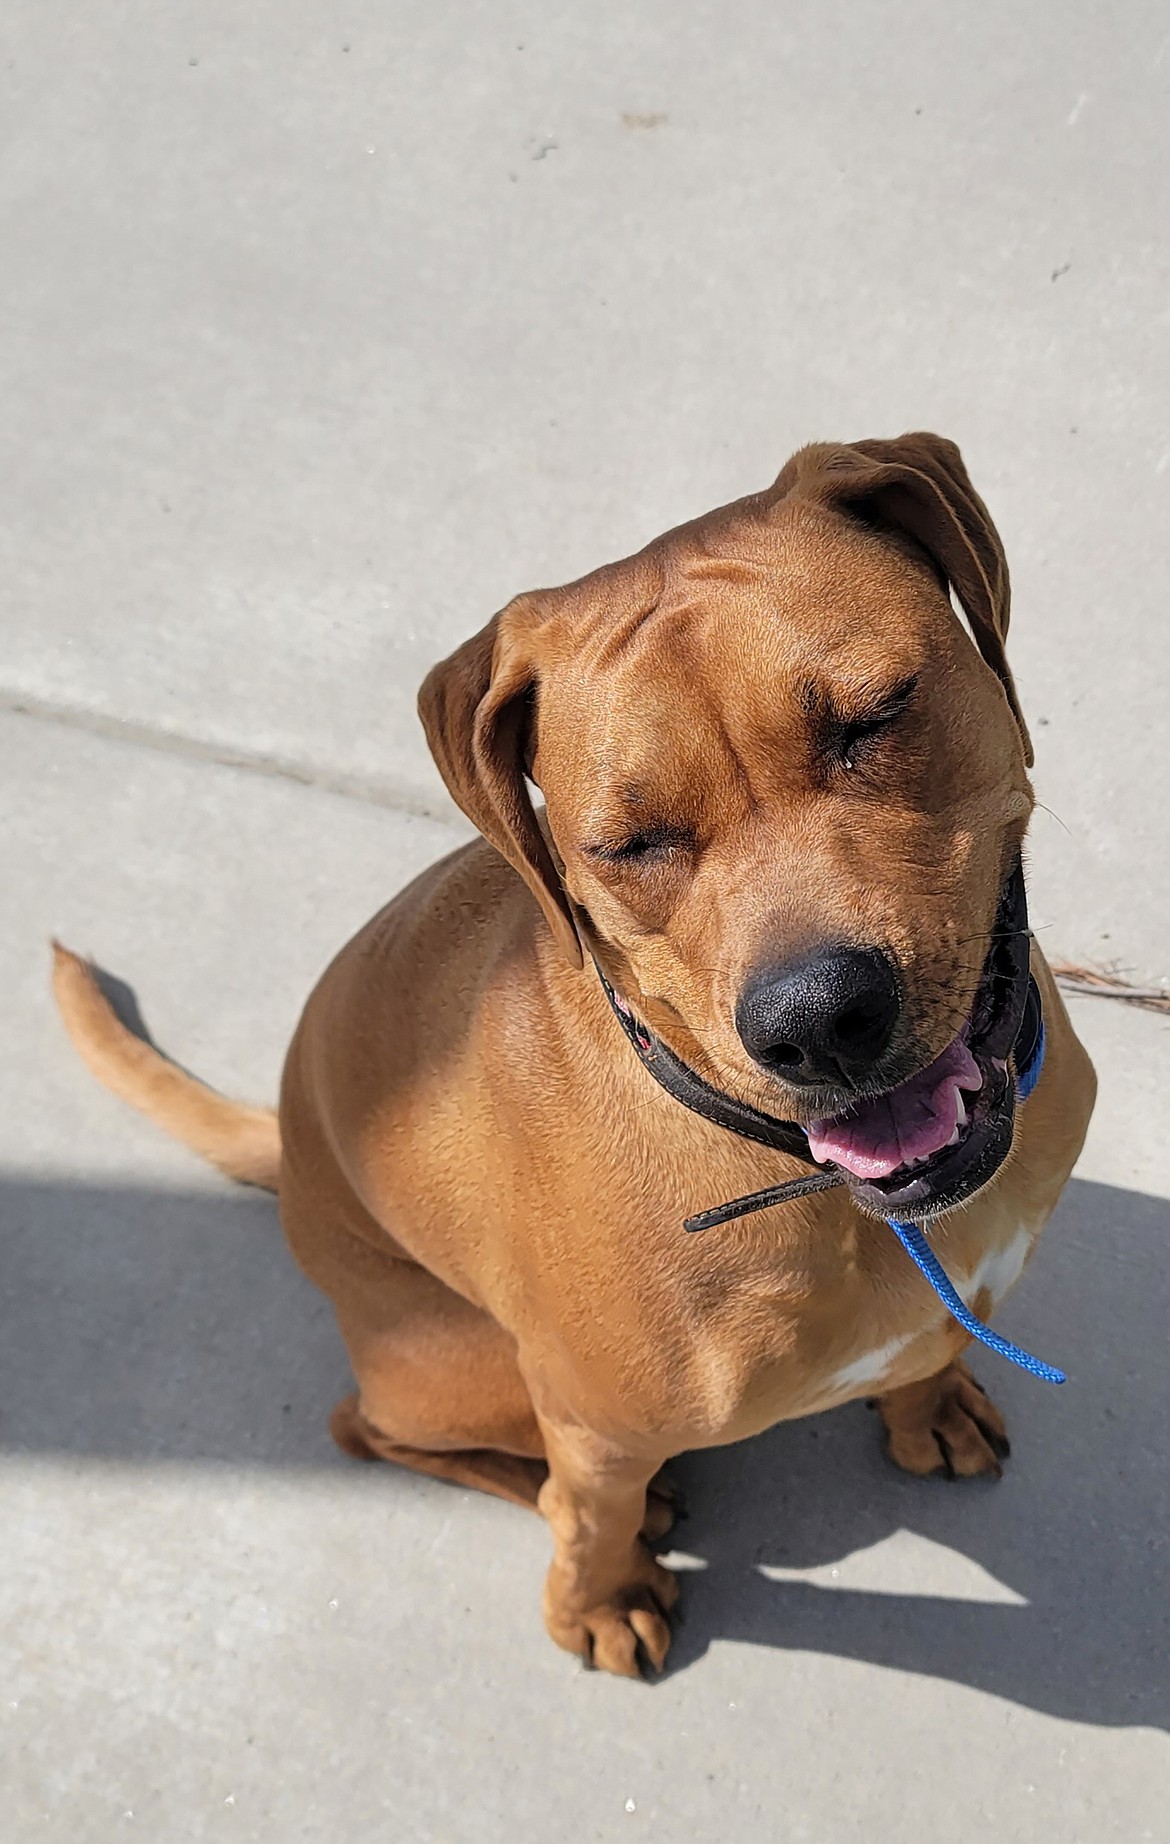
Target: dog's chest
[(774, 1350)]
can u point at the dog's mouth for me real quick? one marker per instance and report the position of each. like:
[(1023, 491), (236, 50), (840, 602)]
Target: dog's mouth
[(937, 1138)]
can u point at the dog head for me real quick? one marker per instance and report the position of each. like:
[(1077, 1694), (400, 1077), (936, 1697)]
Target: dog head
[(784, 802)]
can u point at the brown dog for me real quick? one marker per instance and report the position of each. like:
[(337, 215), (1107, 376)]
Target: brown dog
[(784, 805)]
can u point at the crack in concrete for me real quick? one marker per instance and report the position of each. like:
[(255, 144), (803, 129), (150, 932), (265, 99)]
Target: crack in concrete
[(226, 755)]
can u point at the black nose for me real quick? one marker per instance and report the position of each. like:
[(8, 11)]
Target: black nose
[(827, 1018)]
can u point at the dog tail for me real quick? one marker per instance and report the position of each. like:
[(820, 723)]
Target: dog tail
[(244, 1142)]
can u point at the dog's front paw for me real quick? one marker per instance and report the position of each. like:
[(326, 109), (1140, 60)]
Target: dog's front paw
[(628, 1632), (948, 1424)]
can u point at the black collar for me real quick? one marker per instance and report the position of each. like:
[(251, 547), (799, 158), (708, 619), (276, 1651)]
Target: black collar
[(687, 1086)]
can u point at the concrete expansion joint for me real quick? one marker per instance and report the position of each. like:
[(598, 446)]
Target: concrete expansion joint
[(223, 754)]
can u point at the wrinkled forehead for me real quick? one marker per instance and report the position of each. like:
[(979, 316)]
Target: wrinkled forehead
[(736, 627)]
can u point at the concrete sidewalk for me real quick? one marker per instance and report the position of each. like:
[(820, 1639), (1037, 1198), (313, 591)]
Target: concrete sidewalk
[(325, 331)]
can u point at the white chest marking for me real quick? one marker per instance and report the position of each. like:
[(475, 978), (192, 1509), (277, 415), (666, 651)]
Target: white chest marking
[(871, 1366), (999, 1269)]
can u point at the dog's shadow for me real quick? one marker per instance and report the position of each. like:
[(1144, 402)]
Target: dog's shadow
[(159, 1326)]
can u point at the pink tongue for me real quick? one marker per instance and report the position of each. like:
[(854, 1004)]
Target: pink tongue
[(911, 1122)]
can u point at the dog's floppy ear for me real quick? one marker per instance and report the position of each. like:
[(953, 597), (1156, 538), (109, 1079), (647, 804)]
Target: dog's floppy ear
[(477, 708), (918, 483)]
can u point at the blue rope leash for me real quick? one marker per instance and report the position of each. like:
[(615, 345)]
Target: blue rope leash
[(924, 1257), (913, 1240)]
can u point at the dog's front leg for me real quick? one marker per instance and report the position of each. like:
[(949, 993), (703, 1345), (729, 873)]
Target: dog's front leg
[(606, 1598)]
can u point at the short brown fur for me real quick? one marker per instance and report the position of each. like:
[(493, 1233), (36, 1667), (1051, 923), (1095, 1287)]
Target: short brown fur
[(472, 1164)]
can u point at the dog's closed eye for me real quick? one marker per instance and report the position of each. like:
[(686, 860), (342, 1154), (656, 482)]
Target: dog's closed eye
[(650, 844), (847, 735)]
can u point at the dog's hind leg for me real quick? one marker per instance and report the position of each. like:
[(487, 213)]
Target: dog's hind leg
[(439, 1389), (505, 1475), (438, 1386)]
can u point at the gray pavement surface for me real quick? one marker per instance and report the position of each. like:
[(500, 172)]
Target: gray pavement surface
[(323, 330)]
